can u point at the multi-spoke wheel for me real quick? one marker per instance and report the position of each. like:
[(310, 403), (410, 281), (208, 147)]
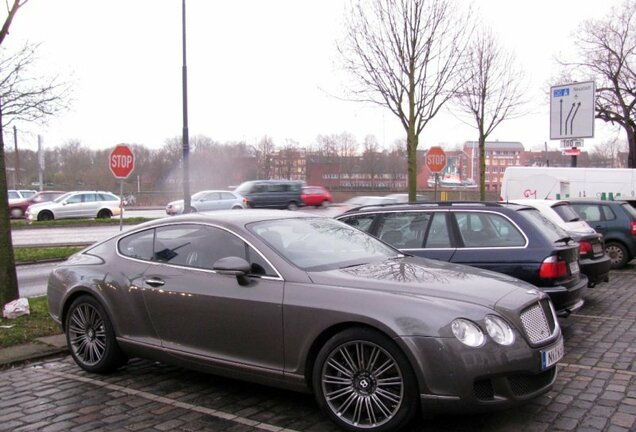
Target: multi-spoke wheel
[(90, 336), (364, 382)]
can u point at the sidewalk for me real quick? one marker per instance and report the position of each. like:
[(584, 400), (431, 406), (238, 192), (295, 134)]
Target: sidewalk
[(43, 347)]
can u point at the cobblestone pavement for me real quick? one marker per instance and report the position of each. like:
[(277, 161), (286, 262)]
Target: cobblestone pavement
[(595, 389)]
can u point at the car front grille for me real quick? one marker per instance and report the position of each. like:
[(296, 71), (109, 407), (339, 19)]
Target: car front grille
[(539, 321), (518, 385)]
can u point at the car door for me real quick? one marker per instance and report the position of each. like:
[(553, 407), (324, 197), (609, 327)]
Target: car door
[(490, 241), (211, 201), (199, 312), (594, 215), (70, 207), (420, 233), (90, 205)]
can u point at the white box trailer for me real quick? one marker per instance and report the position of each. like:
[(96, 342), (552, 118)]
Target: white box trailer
[(563, 183)]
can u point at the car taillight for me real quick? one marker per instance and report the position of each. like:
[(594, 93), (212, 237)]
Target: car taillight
[(585, 247), (552, 268), (633, 227)]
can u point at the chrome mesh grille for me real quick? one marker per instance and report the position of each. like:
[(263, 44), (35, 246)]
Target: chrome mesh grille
[(536, 323)]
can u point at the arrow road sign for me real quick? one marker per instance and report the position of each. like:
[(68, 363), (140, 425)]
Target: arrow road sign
[(572, 111)]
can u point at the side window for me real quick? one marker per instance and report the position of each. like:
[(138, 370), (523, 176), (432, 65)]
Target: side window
[(106, 197), (608, 213), (90, 198), (404, 230), (213, 196), (588, 212), (138, 245), (75, 199), (227, 196), (259, 188), (275, 187), (438, 236), (362, 222), (201, 246), (479, 229)]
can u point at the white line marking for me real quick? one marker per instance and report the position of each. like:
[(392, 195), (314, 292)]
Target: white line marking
[(184, 405)]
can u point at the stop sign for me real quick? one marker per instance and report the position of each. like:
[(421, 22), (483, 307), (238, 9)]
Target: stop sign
[(436, 159), (121, 161)]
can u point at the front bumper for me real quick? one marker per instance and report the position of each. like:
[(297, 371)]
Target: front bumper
[(455, 378)]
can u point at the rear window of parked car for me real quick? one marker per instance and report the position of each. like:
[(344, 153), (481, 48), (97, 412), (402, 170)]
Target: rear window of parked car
[(544, 225), (480, 229)]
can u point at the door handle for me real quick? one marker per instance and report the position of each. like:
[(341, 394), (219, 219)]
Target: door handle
[(154, 282)]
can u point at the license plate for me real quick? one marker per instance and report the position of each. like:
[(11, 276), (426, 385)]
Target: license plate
[(553, 355), (574, 267), (597, 248)]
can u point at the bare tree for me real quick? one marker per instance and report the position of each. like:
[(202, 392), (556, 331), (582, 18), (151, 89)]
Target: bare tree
[(264, 153), (9, 286), (406, 55), (608, 154), (607, 55), (492, 94)]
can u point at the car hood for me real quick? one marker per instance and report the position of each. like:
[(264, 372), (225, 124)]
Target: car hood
[(47, 204), (424, 277)]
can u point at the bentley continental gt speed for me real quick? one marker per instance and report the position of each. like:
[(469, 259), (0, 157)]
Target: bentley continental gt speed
[(309, 304)]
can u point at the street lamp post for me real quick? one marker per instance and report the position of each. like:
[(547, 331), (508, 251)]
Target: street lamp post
[(186, 139)]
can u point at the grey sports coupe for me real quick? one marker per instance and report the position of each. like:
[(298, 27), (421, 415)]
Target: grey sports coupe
[(309, 304)]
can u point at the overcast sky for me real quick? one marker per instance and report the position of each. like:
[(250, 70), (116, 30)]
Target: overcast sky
[(256, 68)]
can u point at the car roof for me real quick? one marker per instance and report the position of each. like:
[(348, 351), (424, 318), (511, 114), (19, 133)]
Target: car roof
[(539, 202), (234, 218), (439, 205)]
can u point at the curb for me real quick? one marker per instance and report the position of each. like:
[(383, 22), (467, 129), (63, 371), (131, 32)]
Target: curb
[(42, 347)]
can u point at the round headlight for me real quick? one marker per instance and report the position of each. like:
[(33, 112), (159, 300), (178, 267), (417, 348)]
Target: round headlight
[(499, 330), (467, 332)]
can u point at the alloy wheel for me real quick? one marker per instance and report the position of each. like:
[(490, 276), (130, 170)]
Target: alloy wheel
[(362, 384), (87, 334)]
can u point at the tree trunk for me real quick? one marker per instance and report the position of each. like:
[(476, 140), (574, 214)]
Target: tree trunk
[(482, 167), (631, 143), (8, 278), (411, 152)]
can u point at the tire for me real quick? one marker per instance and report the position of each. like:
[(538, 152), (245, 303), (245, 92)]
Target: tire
[(325, 204), (16, 213), (386, 406), (91, 338), (104, 214), (45, 216), (618, 254), (292, 206)]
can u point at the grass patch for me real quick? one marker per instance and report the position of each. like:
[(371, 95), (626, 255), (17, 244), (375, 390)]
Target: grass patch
[(27, 328), (23, 224), (34, 254)]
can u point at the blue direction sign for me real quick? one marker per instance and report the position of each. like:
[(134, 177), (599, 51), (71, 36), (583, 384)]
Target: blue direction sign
[(572, 111)]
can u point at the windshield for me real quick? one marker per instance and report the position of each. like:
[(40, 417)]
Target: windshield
[(544, 225), (316, 244), (199, 195), (566, 212), (62, 197), (244, 188)]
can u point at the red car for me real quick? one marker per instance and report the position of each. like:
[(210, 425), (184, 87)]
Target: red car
[(18, 208), (316, 196)]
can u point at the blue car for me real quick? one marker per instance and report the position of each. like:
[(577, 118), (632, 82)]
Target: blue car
[(512, 239)]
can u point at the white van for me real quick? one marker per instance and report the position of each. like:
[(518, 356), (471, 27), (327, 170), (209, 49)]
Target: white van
[(557, 183)]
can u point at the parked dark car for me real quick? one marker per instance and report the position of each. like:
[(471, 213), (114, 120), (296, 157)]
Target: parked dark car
[(595, 263), (507, 238), (316, 196), (616, 220), (309, 304), (281, 194), (18, 208)]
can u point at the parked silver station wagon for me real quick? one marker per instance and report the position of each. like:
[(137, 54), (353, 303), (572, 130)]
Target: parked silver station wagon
[(309, 304)]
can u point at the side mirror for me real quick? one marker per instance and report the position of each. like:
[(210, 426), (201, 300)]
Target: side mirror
[(233, 266)]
